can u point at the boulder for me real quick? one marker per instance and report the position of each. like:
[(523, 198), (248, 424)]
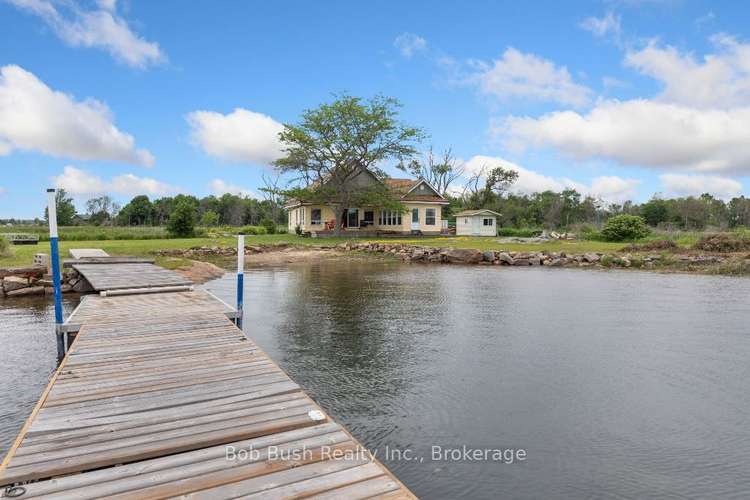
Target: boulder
[(591, 257), (464, 255), (488, 256), (82, 286), (505, 258), (521, 262), (32, 290), (12, 283)]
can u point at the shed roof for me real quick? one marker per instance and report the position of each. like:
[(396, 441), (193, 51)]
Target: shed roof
[(481, 211)]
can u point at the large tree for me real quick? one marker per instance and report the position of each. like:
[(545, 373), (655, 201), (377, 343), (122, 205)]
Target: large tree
[(335, 140)]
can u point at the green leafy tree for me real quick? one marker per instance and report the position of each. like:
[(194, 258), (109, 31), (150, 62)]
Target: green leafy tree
[(655, 211), (337, 140), (209, 218), (625, 227), (138, 212), (66, 210), (181, 222)]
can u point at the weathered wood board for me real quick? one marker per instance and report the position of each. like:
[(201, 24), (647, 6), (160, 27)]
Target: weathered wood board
[(121, 276), (151, 394)]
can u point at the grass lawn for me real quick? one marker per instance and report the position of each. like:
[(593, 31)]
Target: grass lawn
[(22, 255)]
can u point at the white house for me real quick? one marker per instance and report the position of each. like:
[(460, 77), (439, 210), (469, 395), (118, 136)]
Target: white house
[(476, 223)]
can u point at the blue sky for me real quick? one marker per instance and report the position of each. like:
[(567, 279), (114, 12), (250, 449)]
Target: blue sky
[(619, 99)]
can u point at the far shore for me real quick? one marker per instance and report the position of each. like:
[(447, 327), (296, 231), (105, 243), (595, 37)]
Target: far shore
[(180, 254)]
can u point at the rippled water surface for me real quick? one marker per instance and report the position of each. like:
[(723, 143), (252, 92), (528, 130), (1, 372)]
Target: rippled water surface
[(616, 384)]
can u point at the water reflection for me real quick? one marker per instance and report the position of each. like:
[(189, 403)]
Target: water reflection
[(617, 384), (28, 356)]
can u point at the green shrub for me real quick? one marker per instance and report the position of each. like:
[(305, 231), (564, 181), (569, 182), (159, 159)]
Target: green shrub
[(298, 230), (254, 230), (181, 223), (515, 232), (269, 225), (625, 227)]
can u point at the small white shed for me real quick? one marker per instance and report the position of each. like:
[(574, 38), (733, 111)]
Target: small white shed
[(476, 223)]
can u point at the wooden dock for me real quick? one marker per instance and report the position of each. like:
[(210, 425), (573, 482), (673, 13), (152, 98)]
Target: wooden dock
[(157, 396)]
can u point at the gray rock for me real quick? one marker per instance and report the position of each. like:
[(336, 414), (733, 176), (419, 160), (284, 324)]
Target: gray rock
[(591, 257), (464, 256), (82, 286), (488, 256), (12, 283), (32, 290), (521, 262), (505, 258)]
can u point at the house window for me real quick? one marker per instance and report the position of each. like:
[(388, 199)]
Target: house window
[(488, 222), (429, 217), (389, 218), (316, 216), (352, 217)]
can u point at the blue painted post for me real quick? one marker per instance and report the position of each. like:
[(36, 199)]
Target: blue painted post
[(55, 258), (240, 276)]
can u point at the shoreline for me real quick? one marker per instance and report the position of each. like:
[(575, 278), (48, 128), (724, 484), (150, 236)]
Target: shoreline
[(672, 261)]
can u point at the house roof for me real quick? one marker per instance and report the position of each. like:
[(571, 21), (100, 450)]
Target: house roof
[(404, 190), (407, 190), (481, 211)]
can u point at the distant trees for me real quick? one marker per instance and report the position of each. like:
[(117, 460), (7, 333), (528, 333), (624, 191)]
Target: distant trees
[(101, 210)]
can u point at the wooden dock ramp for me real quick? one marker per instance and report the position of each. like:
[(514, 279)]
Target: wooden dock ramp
[(158, 396)]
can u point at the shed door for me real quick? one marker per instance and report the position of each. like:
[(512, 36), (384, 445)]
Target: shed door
[(476, 228)]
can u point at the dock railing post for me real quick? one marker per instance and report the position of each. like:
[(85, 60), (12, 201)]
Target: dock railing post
[(55, 258), (240, 276)]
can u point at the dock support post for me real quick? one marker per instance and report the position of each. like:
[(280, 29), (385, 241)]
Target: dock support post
[(55, 257), (240, 276)]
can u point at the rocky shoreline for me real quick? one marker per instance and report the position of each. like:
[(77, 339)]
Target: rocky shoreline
[(35, 280), (436, 255)]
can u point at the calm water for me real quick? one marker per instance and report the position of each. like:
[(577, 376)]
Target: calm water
[(616, 384)]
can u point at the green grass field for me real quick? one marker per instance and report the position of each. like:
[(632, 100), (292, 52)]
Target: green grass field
[(21, 255)]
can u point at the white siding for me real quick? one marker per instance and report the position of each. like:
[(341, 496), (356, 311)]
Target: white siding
[(467, 225)]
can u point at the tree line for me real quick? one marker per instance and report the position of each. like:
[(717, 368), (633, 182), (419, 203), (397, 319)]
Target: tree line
[(226, 210)]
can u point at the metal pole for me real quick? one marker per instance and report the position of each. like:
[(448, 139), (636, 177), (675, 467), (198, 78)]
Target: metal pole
[(240, 276), (55, 257)]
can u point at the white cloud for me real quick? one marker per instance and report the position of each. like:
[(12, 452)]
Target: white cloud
[(640, 132), (613, 188), (527, 76), (719, 80), (609, 188), (36, 118), (241, 136), (220, 187), (607, 25), (409, 44), (80, 182), (100, 28), (695, 185)]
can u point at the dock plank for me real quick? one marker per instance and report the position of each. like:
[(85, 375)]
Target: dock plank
[(151, 393)]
